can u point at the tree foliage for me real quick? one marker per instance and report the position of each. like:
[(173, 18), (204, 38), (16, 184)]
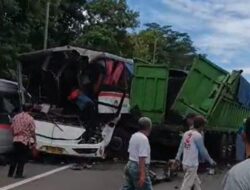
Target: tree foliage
[(96, 24), (163, 45), (106, 26)]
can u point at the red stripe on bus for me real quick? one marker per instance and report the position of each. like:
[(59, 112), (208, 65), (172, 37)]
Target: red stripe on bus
[(4, 126)]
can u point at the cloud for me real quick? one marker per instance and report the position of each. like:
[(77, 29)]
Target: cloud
[(246, 71), (218, 28)]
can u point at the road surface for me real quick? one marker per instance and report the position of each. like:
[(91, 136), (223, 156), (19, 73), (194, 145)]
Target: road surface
[(106, 176)]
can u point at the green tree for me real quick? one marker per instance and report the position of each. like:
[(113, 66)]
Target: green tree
[(18, 23), (164, 45), (97, 24), (106, 26)]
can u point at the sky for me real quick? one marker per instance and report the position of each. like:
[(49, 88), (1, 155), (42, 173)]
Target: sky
[(219, 28)]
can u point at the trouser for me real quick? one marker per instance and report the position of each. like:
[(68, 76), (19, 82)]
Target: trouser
[(191, 179), (132, 177), (240, 148), (18, 159), (90, 117)]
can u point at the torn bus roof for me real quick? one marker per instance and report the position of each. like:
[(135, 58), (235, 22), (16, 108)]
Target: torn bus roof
[(91, 54)]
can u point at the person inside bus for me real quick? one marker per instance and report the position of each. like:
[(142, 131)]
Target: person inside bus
[(87, 109)]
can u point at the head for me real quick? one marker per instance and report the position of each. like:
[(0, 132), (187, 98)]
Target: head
[(145, 125), (246, 134), (199, 122), (27, 107), (189, 120)]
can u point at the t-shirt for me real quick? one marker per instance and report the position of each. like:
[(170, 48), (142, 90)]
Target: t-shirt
[(193, 147), (139, 147), (23, 127), (238, 177)]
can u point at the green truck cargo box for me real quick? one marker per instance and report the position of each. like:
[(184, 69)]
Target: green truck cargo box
[(200, 89), (207, 90), (149, 90)]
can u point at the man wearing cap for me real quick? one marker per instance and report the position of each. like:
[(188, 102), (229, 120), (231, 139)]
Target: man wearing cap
[(193, 148), (137, 168), (238, 177)]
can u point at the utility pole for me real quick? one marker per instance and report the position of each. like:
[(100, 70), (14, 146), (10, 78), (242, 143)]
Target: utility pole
[(155, 46), (46, 25)]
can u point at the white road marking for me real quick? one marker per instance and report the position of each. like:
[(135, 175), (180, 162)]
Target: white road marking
[(34, 178)]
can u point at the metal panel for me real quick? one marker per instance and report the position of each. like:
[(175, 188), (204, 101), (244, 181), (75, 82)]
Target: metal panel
[(149, 90), (201, 88), (228, 115)]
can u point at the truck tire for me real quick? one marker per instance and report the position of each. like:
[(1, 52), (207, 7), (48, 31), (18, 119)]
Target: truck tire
[(116, 143), (118, 146)]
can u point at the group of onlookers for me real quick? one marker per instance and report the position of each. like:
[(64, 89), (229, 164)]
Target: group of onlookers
[(191, 151)]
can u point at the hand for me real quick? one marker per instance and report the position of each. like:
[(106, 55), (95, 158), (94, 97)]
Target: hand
[(35, 152), (213, 163), (177, 162), (141, 181)]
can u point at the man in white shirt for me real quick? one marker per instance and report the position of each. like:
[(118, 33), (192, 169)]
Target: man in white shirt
[(137, 168), (193, 148), (188, 124)]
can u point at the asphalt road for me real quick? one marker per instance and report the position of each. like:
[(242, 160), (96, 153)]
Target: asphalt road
[(104, 176)]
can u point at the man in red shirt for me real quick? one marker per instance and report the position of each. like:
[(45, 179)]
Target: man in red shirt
[(23, 128)]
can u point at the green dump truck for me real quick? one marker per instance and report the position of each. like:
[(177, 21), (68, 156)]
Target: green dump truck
[(168, 95)]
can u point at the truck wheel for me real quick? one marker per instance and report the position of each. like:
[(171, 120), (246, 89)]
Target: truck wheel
[(119, 143), (116, 143)]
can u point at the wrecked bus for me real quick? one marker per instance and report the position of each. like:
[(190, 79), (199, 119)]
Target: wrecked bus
[(78, 95)]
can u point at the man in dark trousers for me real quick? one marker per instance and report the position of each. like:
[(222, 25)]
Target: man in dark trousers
[(23, 128)]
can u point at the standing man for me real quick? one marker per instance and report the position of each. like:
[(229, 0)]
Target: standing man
[(238, 177), (193, 147), (23, 128), (137, 168), (188, 124)]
